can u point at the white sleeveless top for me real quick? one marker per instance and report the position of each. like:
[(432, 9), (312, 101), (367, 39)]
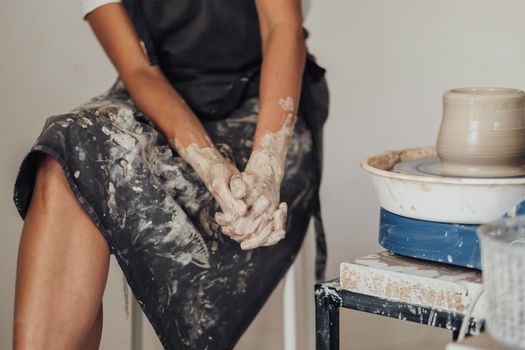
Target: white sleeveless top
[(86, 6)]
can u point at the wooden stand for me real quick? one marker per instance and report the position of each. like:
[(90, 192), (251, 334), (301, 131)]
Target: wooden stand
[(408, 289)]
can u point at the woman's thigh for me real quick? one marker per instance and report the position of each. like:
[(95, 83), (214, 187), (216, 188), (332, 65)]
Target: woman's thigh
[(62, 265)]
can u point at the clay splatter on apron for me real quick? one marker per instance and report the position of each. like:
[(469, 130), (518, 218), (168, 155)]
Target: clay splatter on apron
[(196, 286)]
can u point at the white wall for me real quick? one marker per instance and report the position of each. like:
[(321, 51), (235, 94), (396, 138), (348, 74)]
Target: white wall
[(388, 62), (49, 63)]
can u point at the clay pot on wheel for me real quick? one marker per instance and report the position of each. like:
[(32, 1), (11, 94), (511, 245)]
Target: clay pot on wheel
[(482, 132)]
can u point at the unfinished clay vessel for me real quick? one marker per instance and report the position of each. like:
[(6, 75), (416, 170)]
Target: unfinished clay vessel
[(482, 132)]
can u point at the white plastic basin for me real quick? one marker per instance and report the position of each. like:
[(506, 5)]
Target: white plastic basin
[(441, 199)]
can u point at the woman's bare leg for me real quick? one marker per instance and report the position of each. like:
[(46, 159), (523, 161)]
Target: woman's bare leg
[(62, 268), (92, 341)]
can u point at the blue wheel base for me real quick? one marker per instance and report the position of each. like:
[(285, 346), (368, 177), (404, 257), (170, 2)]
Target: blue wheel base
[(454, 244), (448, 243)]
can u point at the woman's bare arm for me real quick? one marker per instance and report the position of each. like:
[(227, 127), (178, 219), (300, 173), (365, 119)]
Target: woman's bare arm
[(284, 55), (147, 85), (160, 102)]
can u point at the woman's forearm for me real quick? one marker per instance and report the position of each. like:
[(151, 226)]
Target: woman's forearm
[(156, 98), (161, 103), (149, 89), (284, 55)]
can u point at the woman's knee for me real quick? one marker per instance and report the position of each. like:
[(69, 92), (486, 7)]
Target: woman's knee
[(51, 185)]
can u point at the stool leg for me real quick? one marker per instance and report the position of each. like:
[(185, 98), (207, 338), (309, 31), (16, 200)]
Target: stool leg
[(136, 326), (326, 323), (455, 334), (290, 326)]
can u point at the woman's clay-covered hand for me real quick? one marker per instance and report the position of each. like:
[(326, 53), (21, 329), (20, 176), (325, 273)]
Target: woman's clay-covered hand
[(251, 213), (218, 174), (265, 222), (265, 210)]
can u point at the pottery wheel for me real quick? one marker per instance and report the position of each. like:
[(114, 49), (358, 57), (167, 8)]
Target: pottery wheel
[(428, 166)]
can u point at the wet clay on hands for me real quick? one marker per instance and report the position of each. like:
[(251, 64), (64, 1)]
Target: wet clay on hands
[(265, 222), (219, 175)]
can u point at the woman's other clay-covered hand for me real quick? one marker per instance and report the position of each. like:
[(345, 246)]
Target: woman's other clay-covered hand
[(265, 222)]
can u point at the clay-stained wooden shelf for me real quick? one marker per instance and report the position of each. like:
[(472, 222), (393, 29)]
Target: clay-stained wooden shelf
[(428, 293), (413, 281)]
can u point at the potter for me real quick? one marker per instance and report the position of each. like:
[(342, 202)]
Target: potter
[(482, 132), (197, 121)]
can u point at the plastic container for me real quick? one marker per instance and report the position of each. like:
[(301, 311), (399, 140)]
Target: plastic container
[(503, 264)]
